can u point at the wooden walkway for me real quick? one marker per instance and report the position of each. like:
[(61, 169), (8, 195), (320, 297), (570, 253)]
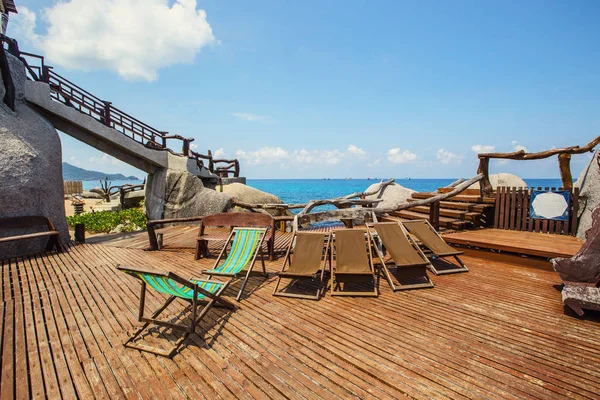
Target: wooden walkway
[(496, 332), (529, 243)]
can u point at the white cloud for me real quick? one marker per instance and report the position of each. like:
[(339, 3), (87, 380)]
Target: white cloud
[(396, 156), (219, 153), (250, 117), (193, 146), (519, 147), (483, 148), (303, 156), (357, 151), (105, 160), (374, 163), (134, 38), (266, 155), (331, 157), (446, 157), (514, 142)]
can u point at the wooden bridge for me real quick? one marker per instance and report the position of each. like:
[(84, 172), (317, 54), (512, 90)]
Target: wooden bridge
[(128, 138)]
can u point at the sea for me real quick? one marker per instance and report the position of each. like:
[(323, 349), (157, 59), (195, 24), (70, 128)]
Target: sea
[(292, 191)]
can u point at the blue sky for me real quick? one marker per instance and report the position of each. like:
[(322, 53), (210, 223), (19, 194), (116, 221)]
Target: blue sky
[(318, 89)]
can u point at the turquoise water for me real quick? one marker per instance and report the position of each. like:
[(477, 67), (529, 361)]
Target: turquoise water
[(302, 190)]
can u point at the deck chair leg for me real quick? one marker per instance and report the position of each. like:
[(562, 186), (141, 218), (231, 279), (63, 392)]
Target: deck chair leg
[(462, 264), (262, 260), (239, 296), (137, 333)]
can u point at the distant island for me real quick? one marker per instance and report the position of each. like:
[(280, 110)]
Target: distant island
[(73, 173)]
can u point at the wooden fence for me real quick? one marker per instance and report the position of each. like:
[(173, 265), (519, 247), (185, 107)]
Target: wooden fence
[(512, 212), (73, 187)]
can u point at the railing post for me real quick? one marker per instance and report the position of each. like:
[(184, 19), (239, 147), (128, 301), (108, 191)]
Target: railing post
[(211, 165), (185, 148), (237, 169), (434, 215), (107, 113), (484, 168), (564, 163), (164, 139), (45, 73)]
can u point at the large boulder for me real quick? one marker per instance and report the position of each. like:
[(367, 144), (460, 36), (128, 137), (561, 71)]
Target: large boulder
[(503, 179), (30, 168), (392, 195), (251, 195), (179, 194), (589, 193)]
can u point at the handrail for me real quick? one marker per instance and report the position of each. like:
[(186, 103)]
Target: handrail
[(564, 162), (65, 91)]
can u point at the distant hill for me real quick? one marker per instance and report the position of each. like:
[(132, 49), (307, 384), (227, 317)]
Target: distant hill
[(73, 173)]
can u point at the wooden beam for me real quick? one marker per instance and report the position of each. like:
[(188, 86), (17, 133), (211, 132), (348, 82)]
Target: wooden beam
[(522, 155), (564, 163)]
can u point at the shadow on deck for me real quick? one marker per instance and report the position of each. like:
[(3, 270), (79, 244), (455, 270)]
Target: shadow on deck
[(498, 331)]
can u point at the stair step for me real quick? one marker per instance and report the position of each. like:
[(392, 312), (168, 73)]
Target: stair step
[(444, 221), (476, 207), (446, 212), (471, 192), (457, 198)]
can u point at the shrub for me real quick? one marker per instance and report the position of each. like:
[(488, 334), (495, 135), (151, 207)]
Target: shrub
[(105, 221)]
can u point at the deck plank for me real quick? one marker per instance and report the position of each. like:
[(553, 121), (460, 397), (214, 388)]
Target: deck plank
[(496, 332)]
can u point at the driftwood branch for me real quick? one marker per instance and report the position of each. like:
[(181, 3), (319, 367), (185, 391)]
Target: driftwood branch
[(522, 155), (357, 213), (342, 201)]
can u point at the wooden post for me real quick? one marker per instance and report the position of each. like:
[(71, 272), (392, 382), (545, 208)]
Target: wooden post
[(186, 147), (564, 163), (107, 113), (434, 215), (484, 168), (152, 240), (45, 74), (237, 169)]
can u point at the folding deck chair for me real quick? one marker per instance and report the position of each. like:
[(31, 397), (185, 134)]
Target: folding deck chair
[(246, 243), (411, 264), (196, 291), (354, 262), (436, 246), (308, 249)]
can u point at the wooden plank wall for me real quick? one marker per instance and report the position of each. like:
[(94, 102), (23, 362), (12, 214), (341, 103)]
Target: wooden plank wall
[(512, 212), (73, 187)]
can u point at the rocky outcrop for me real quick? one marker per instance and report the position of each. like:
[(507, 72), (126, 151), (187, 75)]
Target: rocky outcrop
[(589, 193), (251, 195), (178, 194), (503, 179), (392, 195), (30, 168)]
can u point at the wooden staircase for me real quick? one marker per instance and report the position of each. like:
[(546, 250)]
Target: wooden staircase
[(467, 210)]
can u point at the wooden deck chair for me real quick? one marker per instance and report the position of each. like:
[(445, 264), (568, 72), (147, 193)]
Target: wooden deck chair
[(245, 243), (310, 251), (197, 291), (436, 246), (354, 262), (410, 262)]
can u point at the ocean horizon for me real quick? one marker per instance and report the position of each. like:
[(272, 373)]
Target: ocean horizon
[(294, 191)]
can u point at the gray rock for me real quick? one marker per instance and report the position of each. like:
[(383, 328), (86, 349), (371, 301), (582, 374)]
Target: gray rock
[(86, 194), (30, 169), (589, 194), (392, 195), (503, 179), (251, 195), (178, 194)]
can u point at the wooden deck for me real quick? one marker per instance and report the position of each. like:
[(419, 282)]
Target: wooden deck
[(498, 331), (529, 243)]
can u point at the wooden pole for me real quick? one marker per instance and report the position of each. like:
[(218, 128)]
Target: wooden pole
[(484, 168), (564, 163), (434, 215)]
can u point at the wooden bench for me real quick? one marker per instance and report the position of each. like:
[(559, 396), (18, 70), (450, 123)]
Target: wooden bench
[(231, 220), (32, 221)]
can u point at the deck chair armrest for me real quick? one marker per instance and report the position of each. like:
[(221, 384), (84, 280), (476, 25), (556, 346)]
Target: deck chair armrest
[(213, 272)]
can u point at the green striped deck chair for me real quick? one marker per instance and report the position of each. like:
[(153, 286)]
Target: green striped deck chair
[(198, 292), (245, 244)]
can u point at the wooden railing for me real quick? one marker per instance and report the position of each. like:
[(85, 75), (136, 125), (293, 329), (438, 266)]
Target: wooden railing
[(564, 162), (68, 93)]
